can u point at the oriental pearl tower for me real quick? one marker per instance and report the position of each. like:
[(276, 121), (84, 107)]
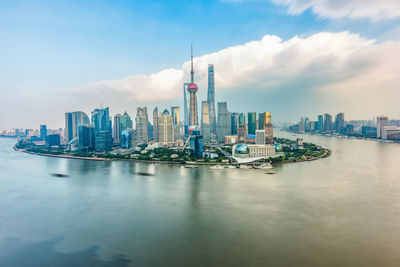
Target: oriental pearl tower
[(192, 88)]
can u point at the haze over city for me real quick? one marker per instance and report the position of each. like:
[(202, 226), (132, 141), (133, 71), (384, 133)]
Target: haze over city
[(288, 57)]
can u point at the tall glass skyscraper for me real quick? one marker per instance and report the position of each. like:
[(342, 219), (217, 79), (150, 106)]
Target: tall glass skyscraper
[(72, 122), (252, 122), (234, 123), (223, 127), (205, 121), (142, 131), (211, 99)]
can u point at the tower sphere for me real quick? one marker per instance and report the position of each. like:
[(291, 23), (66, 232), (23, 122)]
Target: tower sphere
[(192, 87)]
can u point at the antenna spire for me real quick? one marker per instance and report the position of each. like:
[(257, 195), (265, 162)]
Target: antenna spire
[(191, 60)]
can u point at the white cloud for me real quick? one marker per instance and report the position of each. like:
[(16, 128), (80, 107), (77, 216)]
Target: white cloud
[(373, 9), (357, 71)]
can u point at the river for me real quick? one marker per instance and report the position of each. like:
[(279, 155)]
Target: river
[(343, 210)]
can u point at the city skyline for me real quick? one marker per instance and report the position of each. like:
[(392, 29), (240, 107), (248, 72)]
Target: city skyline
[(330, 59)]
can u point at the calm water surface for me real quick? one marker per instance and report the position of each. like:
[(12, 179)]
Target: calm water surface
[(340, 211)]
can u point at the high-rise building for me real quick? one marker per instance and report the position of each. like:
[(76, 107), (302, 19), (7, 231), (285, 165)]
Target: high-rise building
[(327, 122), (165, 128), (103, 141), (101, 119), (155, 124), (307, 124), (320, 123), (211, 99), (260, 137), (125, 122), (175, 115), (86, 138), (117, 128), (186, 106), (242, 119), (53, 140), (196, 142), (43, 132), (223, 122), (234, 123), (142, 133), (127, 137), (252, 122), (265, 123), (192, 88), (72, 121), (381, 122), (242, 134), (205, 121), (339, 121)]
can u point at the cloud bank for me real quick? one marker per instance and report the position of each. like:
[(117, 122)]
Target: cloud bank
[(355, 9), (338, 70)]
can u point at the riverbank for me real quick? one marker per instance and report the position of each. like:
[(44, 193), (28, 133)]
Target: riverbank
[(326, 153)]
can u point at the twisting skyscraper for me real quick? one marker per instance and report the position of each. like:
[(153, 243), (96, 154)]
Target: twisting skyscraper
[(211, 99), (192, 88)]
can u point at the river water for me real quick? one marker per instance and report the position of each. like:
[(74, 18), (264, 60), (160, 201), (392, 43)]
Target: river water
[(343, 210)]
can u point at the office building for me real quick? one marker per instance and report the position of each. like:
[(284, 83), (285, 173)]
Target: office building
[(320, 127), (53, 140), (103, 141), (223, 122), (211, 99), (117, 128), (391, 133), (205, 122), (327, 122), (127, 137), (242, 134), (165, 128), (368, 131), (251, 122), (175, 115), (86, 138), (142, 130), (155, 124), (234, 123), (265, 123), (196, 142), (43, 132), (339, 121), (381, 122), (192, 88), (72, 121), (125, 122), (260, 137), (101, 120)]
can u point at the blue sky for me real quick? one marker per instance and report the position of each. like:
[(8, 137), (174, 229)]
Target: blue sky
[(49, 47)]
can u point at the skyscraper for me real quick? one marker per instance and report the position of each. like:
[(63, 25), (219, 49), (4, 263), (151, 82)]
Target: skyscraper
[(320, 123), (381, 122), (327, 122), (234, 123), (211, 99), (101, 119), (142, 135), (117, 128), (102, 128), (252, 122), (223, 122), (125, 122), (72, 121), (175, 115), (265, 123), (155, 124), (339, 121), (43, 132), (205, 121), (165, 128), (192, 88), (86, 138)]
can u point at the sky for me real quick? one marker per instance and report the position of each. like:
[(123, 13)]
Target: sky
[(290, 57)]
